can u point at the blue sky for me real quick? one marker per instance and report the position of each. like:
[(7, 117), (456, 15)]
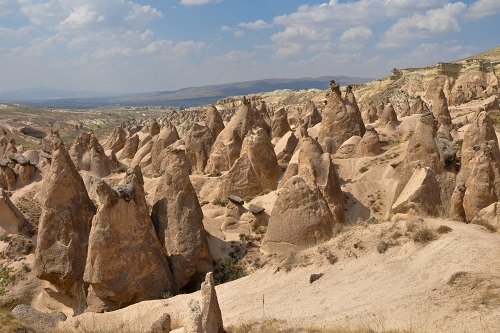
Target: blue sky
[(146, 45)]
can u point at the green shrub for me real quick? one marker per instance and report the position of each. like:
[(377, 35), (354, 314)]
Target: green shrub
[(444, 229), (6, 278), (424, 235), (227, 269), (219, 202), (363, 169)]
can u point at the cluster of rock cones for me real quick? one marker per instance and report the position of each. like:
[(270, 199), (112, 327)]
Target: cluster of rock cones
[(103, 243)]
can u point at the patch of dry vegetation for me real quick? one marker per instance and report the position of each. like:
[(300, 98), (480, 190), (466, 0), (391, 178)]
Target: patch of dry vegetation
[(10, 324), (280, 326)]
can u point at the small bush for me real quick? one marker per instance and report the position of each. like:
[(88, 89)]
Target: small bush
[(396, 235), (6, 278), (166, 295), (215, 174), (383, 246), (485, 224), (424, 235), (372, 220), (444, 229), (363, 169), (5, 237), (290, 262), (227, 269), (219, 202)]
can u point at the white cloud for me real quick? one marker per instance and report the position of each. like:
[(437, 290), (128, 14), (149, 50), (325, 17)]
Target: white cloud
[(234, 56), (356, 34), (225, 28), (197, 2), (257, 25), (483, 8), (420, 26)]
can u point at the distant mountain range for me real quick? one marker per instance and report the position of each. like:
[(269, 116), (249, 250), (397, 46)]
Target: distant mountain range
[(192, 96)]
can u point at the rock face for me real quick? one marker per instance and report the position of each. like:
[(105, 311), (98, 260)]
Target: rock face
[(388, 115), (285, 147), (87, 154), (116, 140), (11, 218), (405, 108), (199, 141), (178, 221), (440, 109), (369, 144), (167, 136), (214, 121), (482, 187), (339, 122), (130, 147), (211, 317), (125, 262), (421, 195), (300, 219), (64, 226), (279, 125), (316, 168), (227, 146), (311, 115), (422, 151), (255, 171), (418, 106)]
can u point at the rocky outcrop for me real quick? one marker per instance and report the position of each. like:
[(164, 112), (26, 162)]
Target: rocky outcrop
[(11, 218), (440, 109), (418, 106), (214, 121), (405, 108), (339, 122), (369, 145), (211, 317), (198, 141), (421, 195), (116, 140), (388, 115), (285, 147), (227, 146), (178, 221), (125, 262), (87, 154), (255, 171), (64, 226), (279, 125), (317, 169), (300, 219), (311, 116), (457, 211), (422, 151), (482, 187), (130, 148), (167, 136)]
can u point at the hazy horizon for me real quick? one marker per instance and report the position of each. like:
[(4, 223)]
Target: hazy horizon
[(120, 46)]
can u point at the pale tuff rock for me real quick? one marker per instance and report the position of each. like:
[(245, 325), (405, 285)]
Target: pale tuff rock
[(178, 221), (457, 211), (388, 115), (125, 262), (311, 115), (198, 141), (369, 145), (405, 108), (87, 154), (143, 155), (422, 151), (265, 123), (255, 171), (440, 109), (11, 218), (167, 136), (154, 127), (353, 109), (279, 125), (130, 148), (116, 140), (211, 318), (489, 214), (317, 169), (482, 187), (7, 146), (420, 196), (7, 176), (348, 147), (214, 121), (285, 148), (227, 146), (192, 318), (491, 104), (64, 226), (339, 122), (418, 106), (300, 219)]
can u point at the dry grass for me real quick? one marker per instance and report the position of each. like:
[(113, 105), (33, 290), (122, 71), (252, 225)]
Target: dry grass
[(280, 326), (485, 224), (10, 324)]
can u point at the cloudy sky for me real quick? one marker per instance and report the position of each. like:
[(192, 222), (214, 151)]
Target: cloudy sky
[(146, 45)]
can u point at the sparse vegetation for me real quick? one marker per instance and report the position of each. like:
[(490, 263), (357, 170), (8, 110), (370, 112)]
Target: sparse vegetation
[(332, 258), (363, 169), (6, 278), (227, 269), (485, 224), (444, 229), (384, 246), (424, 235), (215, 174), (290, 261), (219, 202)]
